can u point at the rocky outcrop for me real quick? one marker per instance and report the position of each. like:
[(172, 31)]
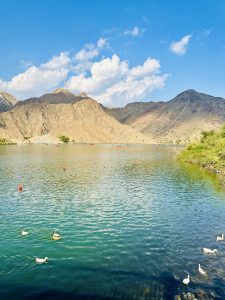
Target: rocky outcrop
[(6, 101)]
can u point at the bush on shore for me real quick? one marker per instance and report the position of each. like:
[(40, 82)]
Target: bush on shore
[(64, 139), (6, 142), (209, 152)]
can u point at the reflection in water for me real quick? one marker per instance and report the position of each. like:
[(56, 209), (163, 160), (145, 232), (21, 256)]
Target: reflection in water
[(133, 222)]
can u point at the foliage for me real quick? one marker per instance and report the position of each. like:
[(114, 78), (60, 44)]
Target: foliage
[(209, 152), (6, 142), (64, 139)]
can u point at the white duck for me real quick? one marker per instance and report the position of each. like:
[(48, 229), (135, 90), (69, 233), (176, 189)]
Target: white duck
[(186, 280), (220, 237), (24, 232), (41, 260), (56, 236), (203, 272), (209, 251)]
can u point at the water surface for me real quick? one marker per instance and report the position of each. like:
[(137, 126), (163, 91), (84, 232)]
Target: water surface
[(133, 223)]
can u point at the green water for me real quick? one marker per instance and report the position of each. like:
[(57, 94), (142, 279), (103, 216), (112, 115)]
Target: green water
[(133, 223)]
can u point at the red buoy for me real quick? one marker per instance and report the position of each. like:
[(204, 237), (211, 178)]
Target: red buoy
[(20, 188)]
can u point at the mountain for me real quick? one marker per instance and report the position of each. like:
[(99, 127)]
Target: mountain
[(79, 117), (58, 96), (179, 120), (6, 101), (129, 113)]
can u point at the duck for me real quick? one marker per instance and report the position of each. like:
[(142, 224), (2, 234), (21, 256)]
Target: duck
[(203, 272), (24, 232), (186, 280), (56, 236), (209, 251), (41, 260), (220, 237)]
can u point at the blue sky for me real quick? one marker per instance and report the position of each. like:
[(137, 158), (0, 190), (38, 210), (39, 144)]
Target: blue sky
[(116, 51)]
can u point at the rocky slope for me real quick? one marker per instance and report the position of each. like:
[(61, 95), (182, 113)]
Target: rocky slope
[(179, 120), (6, 101), (129, 113), (79, 117)]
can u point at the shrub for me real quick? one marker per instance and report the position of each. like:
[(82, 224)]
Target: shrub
[(64, 139), (6, 142), (206, 134)]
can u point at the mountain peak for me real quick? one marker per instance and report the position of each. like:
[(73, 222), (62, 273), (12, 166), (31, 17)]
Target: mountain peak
[(189, 92), (61, 90), (83, 95)]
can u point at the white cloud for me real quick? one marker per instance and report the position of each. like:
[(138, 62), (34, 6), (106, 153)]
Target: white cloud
[(26, 63), (134, 32), (38, 80), (112, 82), (180, 47), (150, 66), (109, 80), (84, 55), (101, 43)]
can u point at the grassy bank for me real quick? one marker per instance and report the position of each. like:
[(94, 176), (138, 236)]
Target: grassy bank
[(209, 153), (6, 142)]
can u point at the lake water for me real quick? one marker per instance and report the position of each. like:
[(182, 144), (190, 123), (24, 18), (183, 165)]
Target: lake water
[(133, 223)]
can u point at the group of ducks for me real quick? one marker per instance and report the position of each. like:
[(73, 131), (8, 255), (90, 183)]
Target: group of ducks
[(219, 237), (55, 236)]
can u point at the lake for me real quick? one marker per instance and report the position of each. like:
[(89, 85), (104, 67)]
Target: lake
[(133, 222)]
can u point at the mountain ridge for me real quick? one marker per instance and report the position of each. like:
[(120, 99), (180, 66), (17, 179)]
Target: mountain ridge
[(180, 119)]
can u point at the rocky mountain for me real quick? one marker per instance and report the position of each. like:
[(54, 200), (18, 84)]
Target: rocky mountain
[(129, 113), (79, 117), (179, 120), (6, 101)]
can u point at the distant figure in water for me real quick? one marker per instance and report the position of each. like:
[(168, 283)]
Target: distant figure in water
[(64, 168), (209, 251), (220, 237), (41, 260), (186, 280), (56, 236), (20, 188), (24, 232), (201, 271)]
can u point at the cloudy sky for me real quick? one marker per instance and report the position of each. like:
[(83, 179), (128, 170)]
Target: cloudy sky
[(115, 51)]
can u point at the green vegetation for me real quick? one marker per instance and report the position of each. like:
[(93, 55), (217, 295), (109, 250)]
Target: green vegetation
[(209, 152), (6, 142), (64, 139)]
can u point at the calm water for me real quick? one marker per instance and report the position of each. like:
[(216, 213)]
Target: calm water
[(133, 223)]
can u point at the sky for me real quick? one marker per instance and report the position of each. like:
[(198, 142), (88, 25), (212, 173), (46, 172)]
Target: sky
[(116, 51)]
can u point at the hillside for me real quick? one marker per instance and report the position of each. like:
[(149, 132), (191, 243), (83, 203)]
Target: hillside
[(179, 120), (129, 113), (6, 101), (79, 117)]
